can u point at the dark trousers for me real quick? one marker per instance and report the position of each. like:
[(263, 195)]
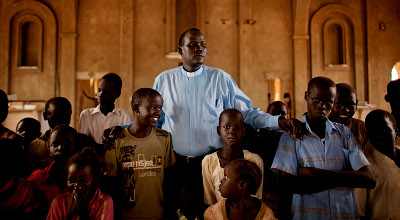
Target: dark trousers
[(189, 182)]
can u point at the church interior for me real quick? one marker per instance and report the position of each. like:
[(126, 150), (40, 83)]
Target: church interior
[(271, 48)]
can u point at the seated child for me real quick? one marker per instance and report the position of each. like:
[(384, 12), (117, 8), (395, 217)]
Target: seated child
[(231, 129), (51, 180), (344, 107), (29, 129), (277, 108), (18, 197), (241, 179), (84, 199), (329, 158), (383, 201), (141, 157), (94, 121), (5, 132), (57, 111)]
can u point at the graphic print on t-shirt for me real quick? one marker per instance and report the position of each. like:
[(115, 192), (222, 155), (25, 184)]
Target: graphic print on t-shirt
[(143, 165)]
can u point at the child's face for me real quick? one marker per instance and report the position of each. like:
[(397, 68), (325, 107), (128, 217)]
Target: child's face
[(62, 144), (383, 135), (80, 181), (26, 131), (229, 184), (344, 107), (231, 129), (107, 93), (57, 116), (319, 102), (149, 110)]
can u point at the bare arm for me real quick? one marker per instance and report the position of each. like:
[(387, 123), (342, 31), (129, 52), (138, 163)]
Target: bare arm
[(311, 180)]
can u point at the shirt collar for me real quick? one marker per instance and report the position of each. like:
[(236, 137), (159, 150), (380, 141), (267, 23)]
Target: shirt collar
[(329, 125), (97, 110), (196, 73)]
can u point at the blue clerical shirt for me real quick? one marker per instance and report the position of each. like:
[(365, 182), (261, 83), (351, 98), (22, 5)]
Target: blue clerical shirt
[(192, 105)]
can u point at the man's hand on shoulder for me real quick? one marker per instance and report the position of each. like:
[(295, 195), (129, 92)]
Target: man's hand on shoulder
[(110, 134), (293, 127)]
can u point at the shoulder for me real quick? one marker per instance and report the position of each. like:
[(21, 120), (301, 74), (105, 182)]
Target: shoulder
[(122, 112), (162, 133), (216, 211), (266, 212), (168, 73), (87, 111), (252, 156), (210, 159), (37, 176), (341, 128), (217, 72)]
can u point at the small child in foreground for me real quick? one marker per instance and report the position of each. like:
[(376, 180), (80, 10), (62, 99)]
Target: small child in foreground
[(141, 158), (241, 179), (231, 129), (84, 199)]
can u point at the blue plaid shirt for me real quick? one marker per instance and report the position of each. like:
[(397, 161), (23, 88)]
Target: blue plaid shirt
[(336, 151)]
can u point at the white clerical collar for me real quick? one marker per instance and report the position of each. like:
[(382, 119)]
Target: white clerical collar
[(192, 74)]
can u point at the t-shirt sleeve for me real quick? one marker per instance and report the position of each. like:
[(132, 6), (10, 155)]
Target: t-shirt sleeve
[(356, 156), (111, 162), (83, 123), (169, 159), (286, 158), (208, 182)]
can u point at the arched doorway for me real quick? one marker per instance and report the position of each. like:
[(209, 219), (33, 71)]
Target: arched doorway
[(395, 71)]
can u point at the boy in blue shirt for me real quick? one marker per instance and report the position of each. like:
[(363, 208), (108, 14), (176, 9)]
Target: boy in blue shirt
[(322, 168)]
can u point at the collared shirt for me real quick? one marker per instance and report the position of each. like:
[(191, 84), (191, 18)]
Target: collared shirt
[(93, 122), (100, 207), (337, 151), (383, 201), (192, 106)]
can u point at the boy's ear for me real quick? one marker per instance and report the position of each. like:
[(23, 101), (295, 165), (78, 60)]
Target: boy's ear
[(135, 108), (118, 94), (388, 98), (219, 133), (242, 185), (180, 50), (306, 95)]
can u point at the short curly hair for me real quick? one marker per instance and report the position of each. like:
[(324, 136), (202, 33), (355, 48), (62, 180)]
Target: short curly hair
[(86, 157), (184, 34), (248, 172), (140, 94)]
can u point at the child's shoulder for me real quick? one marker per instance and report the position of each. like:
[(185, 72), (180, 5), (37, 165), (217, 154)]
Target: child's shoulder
[(210, 158), (162, 133)]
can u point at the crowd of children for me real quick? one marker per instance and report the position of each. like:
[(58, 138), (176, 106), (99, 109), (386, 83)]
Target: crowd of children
[(64, 174)]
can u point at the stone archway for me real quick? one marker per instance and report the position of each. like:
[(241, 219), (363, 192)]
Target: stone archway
[(12, 17)]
